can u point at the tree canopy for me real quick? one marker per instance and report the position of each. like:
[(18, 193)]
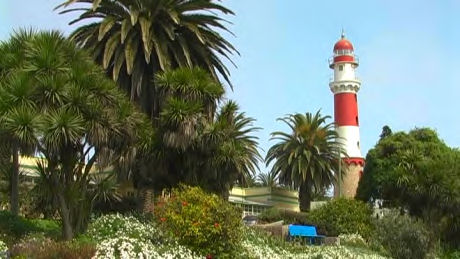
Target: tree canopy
[(417, 172), (134, 40)]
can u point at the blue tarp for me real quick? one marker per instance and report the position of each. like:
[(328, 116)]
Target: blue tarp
[(303, 231)]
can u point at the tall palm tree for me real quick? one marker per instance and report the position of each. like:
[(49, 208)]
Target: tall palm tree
[(306, 157), (134, 40)]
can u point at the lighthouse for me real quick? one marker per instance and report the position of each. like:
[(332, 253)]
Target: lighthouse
[(345, 86)]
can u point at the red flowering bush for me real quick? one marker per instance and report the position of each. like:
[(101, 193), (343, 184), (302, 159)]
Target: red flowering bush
[(204, 222)]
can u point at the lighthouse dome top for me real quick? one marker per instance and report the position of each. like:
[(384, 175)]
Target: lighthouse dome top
[(343, 44)]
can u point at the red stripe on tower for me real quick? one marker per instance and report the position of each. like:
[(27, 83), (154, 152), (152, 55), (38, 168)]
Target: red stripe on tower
[(346, 109)]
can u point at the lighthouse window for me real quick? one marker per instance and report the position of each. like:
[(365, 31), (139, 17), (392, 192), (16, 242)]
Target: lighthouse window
[(357, 122), (341, 68)]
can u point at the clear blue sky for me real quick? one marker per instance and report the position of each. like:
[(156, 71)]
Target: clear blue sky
[(409, 55)]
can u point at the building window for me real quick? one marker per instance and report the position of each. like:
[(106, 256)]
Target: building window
[(341, 68), (357, 144), (357, 122)]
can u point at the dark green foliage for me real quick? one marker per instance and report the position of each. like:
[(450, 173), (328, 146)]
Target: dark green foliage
[(15, 227), (288, 216), (197, 143), (126, 205), (342, 216), (417, 172), (403, 237)]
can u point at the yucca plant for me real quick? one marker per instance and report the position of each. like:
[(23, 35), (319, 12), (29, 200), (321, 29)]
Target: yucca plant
[(59, 100)]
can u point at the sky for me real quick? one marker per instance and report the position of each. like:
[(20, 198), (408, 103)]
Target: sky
[(409, 54)]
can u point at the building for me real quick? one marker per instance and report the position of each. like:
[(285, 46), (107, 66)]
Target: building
[(345, 86), (255, 200)]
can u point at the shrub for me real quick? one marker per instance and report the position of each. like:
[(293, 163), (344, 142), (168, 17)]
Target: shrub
[(38, 246), (288, 216), (403, 236), (204, 222), (342, 216)]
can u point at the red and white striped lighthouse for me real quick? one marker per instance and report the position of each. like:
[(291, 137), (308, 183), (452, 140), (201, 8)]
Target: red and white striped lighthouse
[(345, 86)]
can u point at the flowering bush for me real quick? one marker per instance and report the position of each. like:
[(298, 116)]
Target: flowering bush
[(116, 225), (204, 222), (125, 248), (127, 237)]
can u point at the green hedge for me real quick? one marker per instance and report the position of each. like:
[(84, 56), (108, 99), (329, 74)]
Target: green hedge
[(288, 216), (342, 216)]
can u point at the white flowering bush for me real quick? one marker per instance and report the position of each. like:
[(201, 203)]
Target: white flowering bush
[(352, 240), (119, 236), (3, 249), (259, 245), (116, 225), (125, 248)]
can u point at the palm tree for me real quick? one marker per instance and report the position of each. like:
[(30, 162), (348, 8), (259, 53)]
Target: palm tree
[(269, 179), (74, 115), (231, 147), (306, 157), (196, 143), (133, 40)]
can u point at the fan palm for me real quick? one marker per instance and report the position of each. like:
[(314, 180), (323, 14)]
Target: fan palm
[(134, 40), (306, 157)]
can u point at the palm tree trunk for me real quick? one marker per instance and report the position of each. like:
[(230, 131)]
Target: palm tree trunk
[(305, 196), (147, 201), (14, 199)]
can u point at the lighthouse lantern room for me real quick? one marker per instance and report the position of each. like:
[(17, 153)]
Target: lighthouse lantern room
[(345, 86)]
